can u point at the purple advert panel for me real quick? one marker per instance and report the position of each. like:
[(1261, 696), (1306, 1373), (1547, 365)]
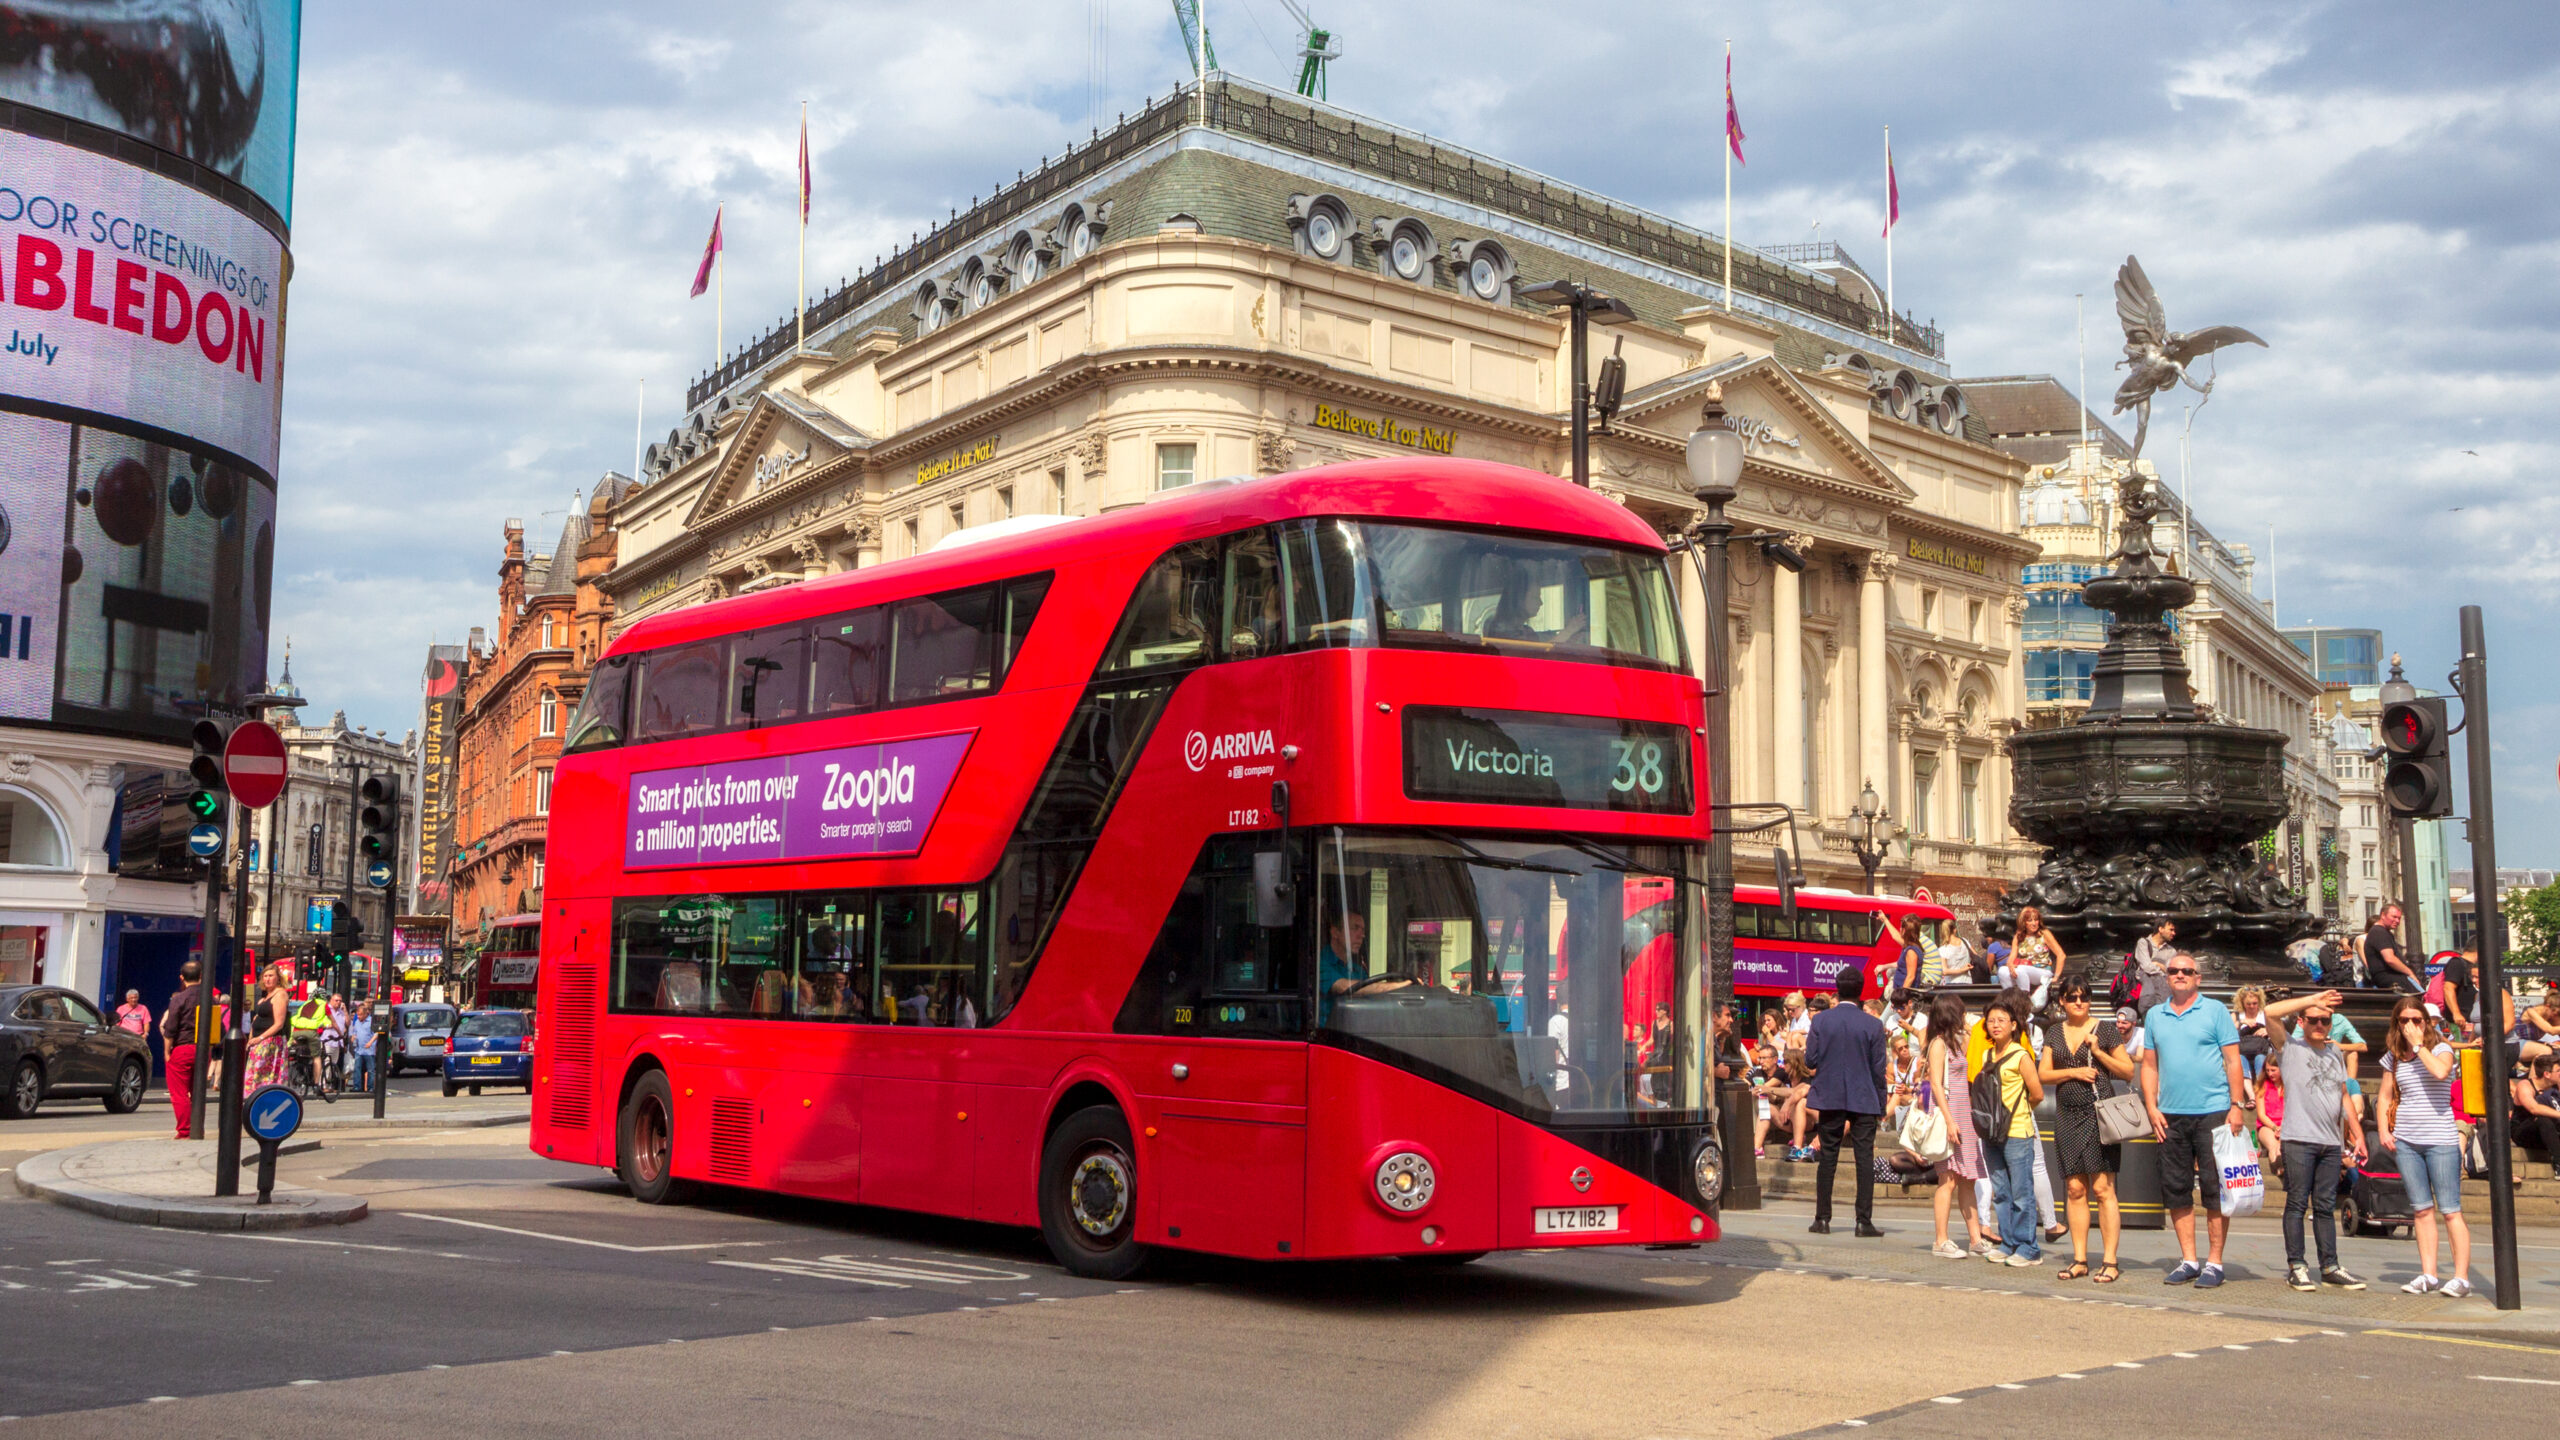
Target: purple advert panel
[(819, 805), (1790, 969)]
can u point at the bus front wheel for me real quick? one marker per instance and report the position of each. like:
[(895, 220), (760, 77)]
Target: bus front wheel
[(645, 1144), (1089, 1195)]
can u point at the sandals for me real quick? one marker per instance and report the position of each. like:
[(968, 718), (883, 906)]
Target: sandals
[(2072, 1271), (2107, 1275)]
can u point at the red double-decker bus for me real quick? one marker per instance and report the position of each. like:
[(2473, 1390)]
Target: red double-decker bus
[(1776, 951), (1298, 868)]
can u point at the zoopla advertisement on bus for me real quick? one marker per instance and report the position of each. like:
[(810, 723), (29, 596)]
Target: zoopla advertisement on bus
[(819, 805), (131, 296)]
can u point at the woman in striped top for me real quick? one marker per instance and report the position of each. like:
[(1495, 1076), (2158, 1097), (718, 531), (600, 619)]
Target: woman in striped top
[(2417, 1122)]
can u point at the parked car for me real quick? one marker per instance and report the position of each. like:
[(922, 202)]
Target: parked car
[(419, 1034), (54, 1043), (490, 1047)]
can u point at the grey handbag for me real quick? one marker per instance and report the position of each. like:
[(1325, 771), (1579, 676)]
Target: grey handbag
[(2121, 1114)]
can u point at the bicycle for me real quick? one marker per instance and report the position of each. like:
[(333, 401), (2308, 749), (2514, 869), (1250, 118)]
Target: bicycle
[(304, 1071)]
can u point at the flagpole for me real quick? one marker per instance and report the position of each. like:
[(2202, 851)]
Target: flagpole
[(1728, 175), (1890, 234), (2080, 337), (802, 337), (639, 426), (720, 306)]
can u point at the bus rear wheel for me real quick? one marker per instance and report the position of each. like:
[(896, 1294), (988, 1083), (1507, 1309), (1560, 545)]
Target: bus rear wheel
[(645, 1144), (1089, 1196)]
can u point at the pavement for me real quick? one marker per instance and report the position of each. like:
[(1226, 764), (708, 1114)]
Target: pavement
[(491, 1286), (152, 1180)]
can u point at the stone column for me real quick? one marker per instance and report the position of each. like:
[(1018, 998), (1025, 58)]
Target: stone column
[(1786, 740), (1874, 705)]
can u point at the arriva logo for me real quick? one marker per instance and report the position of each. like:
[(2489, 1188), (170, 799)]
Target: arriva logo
[(1198, 749), (893, 783)]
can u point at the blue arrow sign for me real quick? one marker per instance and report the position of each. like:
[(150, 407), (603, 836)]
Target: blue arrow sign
[(205, 841), (274, 1113), (378, 874)]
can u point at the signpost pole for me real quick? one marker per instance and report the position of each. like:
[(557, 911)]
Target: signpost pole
[(211, 980), (382, 1028), (2492, 945)]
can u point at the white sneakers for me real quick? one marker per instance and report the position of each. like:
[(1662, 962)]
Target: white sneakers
[(2456, 1288), (2423, 1285), (1947, 1250)]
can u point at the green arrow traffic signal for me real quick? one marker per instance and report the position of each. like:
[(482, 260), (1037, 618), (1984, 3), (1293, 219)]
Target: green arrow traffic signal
[(205, 805)]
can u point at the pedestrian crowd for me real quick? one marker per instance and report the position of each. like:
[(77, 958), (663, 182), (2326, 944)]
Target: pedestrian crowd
[(2233, 1096)]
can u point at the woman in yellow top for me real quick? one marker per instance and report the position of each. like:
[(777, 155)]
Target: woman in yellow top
[(2011, 1151)]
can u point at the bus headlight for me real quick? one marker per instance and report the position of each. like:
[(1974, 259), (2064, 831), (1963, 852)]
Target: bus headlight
[(1405, 1181), (1707, 1172)]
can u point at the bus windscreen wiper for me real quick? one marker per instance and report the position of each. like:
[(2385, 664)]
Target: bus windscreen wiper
[(1498, 862)]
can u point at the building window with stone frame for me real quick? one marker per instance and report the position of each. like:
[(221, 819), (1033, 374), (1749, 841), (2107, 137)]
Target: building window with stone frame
[(915, 545), (546, 632), (1968, 801), (542, 792), (1176, 466), (1924, 783), (549, 711), (1058, 491), (1004, 502), (1929, 611)]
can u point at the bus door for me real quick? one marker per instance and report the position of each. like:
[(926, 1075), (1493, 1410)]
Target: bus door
[(1225, 1105)]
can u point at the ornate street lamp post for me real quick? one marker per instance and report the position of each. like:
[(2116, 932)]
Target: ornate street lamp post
[(1870, 833)]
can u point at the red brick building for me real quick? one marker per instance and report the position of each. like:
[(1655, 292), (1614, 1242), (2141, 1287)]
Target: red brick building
[(520, 685)]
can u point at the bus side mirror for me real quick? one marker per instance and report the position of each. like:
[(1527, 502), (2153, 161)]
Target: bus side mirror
[(1275, 899)]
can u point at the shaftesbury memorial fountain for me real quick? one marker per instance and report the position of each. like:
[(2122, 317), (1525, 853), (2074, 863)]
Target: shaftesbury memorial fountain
[(2147, 809)]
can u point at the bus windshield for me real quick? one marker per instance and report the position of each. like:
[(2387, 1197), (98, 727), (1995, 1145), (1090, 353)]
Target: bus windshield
[(1558, 979), (1495, 593)]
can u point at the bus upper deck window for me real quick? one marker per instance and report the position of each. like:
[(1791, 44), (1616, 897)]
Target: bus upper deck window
[(1254, 604), (682, 691), (598, 723), (1329, 601), (1172, 612), (768, 677), (844, 663), (943, 645)]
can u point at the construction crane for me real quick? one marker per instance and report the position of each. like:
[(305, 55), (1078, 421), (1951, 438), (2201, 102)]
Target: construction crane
[(1195, 48), (1319, 48)]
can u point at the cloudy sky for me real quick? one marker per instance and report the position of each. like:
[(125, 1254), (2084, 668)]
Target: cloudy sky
[(499, 206)]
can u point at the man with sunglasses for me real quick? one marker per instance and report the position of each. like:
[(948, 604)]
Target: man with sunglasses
[(2190, 1084), (2323, 1128)]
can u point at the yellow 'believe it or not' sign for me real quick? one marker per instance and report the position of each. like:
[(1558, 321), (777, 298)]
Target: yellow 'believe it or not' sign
[(957, 461), (1937, 554), (1388, 429)]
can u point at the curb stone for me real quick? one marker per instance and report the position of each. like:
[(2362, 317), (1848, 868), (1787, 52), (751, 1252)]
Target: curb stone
[(43, 1178)]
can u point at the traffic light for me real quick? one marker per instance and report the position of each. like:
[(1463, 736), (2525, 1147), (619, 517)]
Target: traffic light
[(2417, 775), (380, 821), (205, 768)]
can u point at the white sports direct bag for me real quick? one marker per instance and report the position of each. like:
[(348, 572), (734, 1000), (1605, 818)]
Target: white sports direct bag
[(2244, 1185), (1924, 1131)]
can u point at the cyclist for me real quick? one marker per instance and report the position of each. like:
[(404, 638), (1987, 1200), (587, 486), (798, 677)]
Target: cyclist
[(309, 1023)]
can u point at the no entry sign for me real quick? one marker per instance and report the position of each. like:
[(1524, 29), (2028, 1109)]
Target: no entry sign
[(253, 764)]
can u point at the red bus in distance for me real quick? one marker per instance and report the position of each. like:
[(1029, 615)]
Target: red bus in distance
[(1257, 870), (1832, 928)]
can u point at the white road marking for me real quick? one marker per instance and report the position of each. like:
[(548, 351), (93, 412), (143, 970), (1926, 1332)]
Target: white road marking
[(2005, 1385), (2515, 1380), (2070, 1375), (811, 1271), (344, 1245), (581, 1240), (1946, 1399)]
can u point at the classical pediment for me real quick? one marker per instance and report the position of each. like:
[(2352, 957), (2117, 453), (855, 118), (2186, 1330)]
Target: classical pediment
[(1783, 425), (784, 441)]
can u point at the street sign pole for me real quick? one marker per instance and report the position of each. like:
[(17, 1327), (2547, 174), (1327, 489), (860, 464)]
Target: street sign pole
[(275, 1112), (211, 980), (2474, 675), (253, 766)]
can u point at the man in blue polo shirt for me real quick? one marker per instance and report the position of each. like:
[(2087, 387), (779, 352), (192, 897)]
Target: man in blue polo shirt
[(2191, 1083)]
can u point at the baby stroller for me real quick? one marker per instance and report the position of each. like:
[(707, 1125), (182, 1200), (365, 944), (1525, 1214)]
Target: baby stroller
[(2371, 1199)]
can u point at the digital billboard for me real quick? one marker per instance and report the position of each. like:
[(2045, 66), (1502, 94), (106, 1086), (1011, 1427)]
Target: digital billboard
[(113, 549), (211, 80)]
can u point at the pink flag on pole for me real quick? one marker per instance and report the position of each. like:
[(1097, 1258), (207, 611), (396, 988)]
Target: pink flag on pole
[(804, 167), (710, 252), (1892, 191), (1732, 117)]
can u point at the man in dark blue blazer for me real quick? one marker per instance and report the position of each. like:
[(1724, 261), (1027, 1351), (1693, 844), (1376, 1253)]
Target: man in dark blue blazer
[(1846, 1051)]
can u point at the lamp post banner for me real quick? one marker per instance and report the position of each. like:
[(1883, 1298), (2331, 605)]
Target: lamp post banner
[(818, 805)]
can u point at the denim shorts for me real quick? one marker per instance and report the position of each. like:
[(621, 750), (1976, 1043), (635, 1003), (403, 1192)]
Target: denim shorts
[(2432, 1174)]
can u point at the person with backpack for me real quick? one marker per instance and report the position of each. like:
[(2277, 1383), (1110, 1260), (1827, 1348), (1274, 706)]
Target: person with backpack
[(2005, 1094), (2150, 967)]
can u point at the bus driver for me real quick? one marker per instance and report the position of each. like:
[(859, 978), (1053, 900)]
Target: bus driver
[(1341, 971)]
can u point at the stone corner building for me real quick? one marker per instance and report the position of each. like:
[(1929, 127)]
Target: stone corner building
[(519, 687), (1287, 285)]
